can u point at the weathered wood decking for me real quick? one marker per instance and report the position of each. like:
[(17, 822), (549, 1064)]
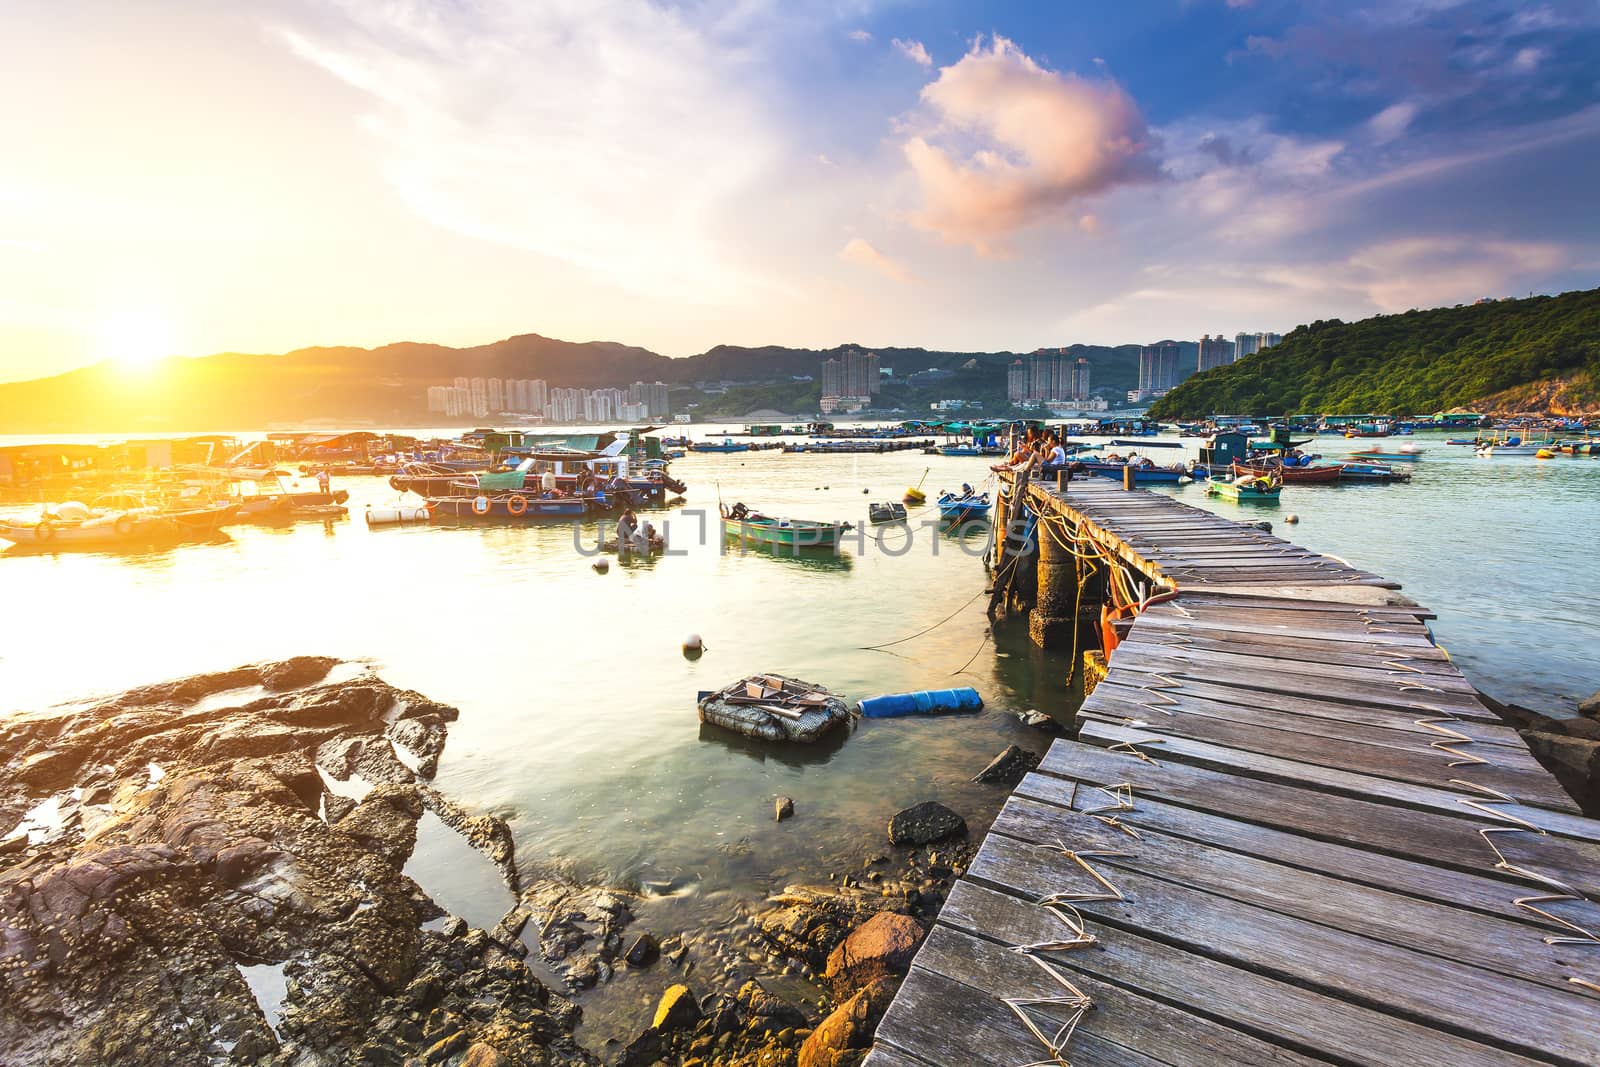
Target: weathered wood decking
[(1289, 833)]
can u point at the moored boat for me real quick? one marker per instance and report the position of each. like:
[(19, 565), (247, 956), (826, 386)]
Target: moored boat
[(74, 525), (524, 507), (1319, 474), (1257, 487), (878, 514), (959, 507), (755, 528), (727, 445)]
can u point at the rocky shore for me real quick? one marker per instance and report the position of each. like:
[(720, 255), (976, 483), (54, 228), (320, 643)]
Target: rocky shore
[(213, 871), (1568, 747), (209, 871)]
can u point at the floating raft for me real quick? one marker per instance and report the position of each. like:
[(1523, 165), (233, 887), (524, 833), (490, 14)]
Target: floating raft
[(772, 707)]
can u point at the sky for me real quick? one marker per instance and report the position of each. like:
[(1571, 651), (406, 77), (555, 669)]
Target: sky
[(180, 178)]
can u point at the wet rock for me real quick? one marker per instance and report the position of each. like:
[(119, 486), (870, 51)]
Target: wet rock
[(296, 673), (643, 952), (881, 947), (766, 1013), (1590, 705), (1575, 761), (923, 823), (1038, 720), (1588, 729), (421, 744), (580, 927), (676, 1010), (1009, 767), (841, 1038), (784, 807), (481, 1055), (123, 944)]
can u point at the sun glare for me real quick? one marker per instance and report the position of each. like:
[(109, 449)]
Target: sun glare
[(136, 339)]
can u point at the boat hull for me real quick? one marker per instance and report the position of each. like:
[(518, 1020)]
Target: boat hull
[(506, 509), (779, 533)]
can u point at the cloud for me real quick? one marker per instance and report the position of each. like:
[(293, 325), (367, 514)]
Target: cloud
[(582, 132), (1392, 121), (1427, 271), (862, 253), (1038, 141), (859, 35), (913, 51), (1528, 59)]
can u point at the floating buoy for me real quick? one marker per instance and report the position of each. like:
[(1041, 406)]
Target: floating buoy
[(396, 515), (1291, 517), (602, 565), (693, 646), (1544, 453)]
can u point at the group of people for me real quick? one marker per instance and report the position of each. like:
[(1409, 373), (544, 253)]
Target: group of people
[(1040, 451)]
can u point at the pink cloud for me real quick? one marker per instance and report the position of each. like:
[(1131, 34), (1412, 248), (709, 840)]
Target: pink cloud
[(1039, 140), (914, 51), (862, 253)]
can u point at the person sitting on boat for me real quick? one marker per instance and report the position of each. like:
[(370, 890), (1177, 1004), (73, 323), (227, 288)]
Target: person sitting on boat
[(626, 526), (547, 482), (738, 511)]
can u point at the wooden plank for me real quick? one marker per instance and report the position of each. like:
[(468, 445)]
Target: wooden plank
[(1481, 892), (1120, 1017), (1332, 779), (1381, 976), (952, 1024), (1281, 671), (1282, 707), (1426, 926), (1449, 839), (1377, 753), (1254, 1003)]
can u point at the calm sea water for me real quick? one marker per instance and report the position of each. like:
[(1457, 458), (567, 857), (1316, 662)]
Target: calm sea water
[(578, 707)]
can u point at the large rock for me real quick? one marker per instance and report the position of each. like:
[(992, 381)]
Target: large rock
[(1575, 761), (843, 1036), (767, 1013), (677, 1010), (881, 947), (925, 822), (1590, 705), (1009, 767)]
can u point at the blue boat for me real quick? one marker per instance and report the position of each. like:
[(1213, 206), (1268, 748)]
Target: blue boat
[(523, 507), (960, 508), (728, 445), (1141, 475)]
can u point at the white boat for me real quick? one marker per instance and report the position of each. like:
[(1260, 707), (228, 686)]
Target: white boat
[(77, 525)]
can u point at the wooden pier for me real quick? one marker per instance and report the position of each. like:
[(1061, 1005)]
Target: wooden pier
[(1288, 832)]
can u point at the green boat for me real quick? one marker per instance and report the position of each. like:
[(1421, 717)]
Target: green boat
[(1242, 489), (755, 528)]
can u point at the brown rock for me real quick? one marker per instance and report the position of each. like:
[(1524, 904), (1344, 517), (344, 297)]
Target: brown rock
[(840, 1039), (1590, 705), (481, 1055), (677, 1009), (882, 946)]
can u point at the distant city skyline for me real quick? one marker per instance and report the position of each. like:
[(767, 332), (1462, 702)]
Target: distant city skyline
[(479, 397), (187, 179)]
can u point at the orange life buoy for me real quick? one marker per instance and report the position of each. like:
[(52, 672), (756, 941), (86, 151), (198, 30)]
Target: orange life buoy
[(44, 531), (517, 505), (480, 505)]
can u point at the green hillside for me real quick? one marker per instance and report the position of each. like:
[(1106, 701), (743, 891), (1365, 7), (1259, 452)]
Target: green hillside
[(1542, 353)]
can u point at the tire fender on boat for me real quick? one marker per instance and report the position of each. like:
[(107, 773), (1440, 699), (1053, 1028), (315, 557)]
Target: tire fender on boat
[(480, 505), (396, 484), (123, 525), (44, 531), (517, 505)]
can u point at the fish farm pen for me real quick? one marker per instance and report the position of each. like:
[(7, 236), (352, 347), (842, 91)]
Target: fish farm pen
[(1288, 830)]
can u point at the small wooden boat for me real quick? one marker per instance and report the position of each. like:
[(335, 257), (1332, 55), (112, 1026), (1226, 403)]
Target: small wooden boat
[(878, 514), (1249, 488), (960, 508), (1142, 475), (1372, 472), (1403, 454), (755, 528), (74, 525), (771, 707), (1319, 474)]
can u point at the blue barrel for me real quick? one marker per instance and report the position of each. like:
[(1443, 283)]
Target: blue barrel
[(926, 702)]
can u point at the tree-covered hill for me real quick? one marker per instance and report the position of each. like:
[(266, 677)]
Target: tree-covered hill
[(1542, 353)]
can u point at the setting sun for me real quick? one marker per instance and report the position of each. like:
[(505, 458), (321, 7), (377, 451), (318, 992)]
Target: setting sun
[(136, 338)]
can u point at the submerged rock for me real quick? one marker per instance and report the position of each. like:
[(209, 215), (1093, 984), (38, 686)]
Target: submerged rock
[(925, 822), (199, 854), (1009, 767), (784, 807)]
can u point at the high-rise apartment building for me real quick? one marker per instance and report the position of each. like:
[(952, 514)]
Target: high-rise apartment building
[(1158, 367), (1214, 352)]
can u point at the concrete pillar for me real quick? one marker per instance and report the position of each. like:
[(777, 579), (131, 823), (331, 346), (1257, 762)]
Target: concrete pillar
[(1051, 622)]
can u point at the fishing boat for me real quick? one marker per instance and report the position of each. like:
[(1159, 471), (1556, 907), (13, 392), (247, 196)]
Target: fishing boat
[(878, 514), (1356, 471), (1406, 453), (959, 507), (1320, 474), (75, 525), (754, 528), (970, 450), (524, 507), (728, 444), (1142, 474), (1239, 490)]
